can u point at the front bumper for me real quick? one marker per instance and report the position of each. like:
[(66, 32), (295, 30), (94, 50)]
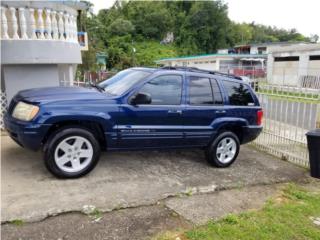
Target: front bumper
[(250, 133), (27, 134)]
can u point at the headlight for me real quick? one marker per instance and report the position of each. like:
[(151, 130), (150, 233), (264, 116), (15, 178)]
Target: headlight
[(24, 111)]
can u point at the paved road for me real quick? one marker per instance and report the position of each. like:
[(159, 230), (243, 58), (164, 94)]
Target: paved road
[(126, 179)]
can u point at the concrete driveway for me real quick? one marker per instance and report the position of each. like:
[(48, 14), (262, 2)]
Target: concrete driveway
[(126, 179)]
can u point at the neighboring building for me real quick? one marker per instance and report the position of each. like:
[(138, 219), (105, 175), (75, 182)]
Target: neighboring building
[(101, 60), (39, 44), (262, 48), (295, 65), (239, 64)]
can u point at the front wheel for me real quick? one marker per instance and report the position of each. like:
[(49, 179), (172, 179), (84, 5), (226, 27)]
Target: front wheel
[(224, 150), (71, 153)]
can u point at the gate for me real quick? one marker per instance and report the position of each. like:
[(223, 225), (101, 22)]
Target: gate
[(289, 113)]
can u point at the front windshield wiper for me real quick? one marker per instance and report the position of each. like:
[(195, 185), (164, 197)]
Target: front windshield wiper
[(101, 89)]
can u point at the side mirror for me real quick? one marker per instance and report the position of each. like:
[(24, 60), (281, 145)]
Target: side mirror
[(141, 98)]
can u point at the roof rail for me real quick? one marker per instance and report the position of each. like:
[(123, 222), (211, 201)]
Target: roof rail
[(194, 69)]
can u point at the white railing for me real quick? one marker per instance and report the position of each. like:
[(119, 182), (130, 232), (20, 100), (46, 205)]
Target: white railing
[(289, 113), (37, 24)]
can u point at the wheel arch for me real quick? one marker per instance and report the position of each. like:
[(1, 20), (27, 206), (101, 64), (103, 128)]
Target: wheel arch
[(95, 127), (232, 125)]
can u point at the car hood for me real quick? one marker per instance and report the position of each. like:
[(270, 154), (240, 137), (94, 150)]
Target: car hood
[(51, 94)]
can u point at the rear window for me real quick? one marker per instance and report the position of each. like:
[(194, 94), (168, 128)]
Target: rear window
[(238, 93)]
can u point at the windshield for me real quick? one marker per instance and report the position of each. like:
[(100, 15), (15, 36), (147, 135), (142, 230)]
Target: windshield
[(122, 81)]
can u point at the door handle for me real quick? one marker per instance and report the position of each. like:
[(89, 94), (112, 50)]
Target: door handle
[(221, 111), (175, 112)]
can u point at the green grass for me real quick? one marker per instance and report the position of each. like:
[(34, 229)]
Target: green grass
[(286, 217), (288, 94), (294, 99), (17, 222)]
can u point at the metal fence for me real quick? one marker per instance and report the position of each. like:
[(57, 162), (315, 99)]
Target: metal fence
[(4, 104), (289, 113)]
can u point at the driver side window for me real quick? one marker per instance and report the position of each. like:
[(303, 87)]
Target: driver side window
[(164, 90)]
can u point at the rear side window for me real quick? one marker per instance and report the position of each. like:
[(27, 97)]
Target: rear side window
[(238, 93), (200, 91)]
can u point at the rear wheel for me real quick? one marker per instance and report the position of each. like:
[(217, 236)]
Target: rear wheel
[(224, 150), (71, 152)]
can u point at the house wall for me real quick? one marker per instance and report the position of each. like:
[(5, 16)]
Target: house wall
[(206, 64), (314, 68), (285, 73), (19, 77), (39, 51), (290, 72)]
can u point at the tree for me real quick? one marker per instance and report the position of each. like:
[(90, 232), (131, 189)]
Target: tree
[(198, 27), (120, 27), (206, 27)]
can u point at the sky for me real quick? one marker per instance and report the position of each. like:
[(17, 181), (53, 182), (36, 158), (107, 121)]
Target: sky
[(301, 15)]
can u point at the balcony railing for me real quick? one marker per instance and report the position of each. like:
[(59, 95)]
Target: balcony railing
[(38, 24)]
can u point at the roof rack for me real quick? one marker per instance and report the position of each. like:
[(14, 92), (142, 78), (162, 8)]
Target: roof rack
[(194, 69)]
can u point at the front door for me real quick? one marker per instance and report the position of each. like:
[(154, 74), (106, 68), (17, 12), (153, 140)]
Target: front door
[(155, 125)]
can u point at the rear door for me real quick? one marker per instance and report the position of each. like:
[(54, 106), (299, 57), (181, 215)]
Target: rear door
[(158, 124), (204, 105)]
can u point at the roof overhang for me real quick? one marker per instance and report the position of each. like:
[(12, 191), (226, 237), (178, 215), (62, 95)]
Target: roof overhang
[(215, 56)]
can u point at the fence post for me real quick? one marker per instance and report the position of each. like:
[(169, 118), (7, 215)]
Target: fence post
[(318, 116)]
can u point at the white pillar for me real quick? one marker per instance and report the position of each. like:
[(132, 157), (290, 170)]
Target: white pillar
[(32, 23), (23, 24), (4, 24), (72, 29), (40, 24), (48, 24), (67, 26), (303, 68), (270, 63), (75, 29), (71, 75), (14, 23), (61, 26), (55, 34), (218, 65)]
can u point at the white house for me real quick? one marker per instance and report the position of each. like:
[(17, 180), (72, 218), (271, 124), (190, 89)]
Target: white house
[(295, 65), (239, 64), (261, 48), (39, 44)]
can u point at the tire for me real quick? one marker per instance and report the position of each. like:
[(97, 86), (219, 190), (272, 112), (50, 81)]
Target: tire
[(71, 152), (220, 156)]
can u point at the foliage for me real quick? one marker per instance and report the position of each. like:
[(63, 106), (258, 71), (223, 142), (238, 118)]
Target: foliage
[(198, 27), (120, 27)]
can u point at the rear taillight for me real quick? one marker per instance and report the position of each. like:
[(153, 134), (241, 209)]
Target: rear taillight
[(259, 117)]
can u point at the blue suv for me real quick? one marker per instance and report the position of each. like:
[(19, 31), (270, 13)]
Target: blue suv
[(138, 108)]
